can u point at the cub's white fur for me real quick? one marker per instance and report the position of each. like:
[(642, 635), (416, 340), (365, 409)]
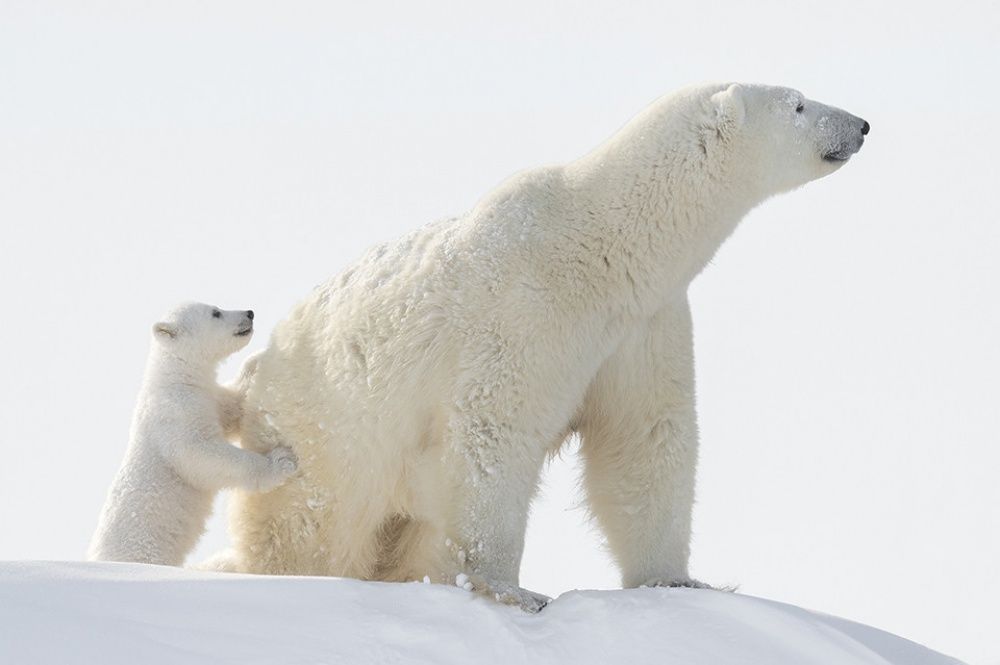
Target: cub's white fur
[(178, 456), (423, 387)]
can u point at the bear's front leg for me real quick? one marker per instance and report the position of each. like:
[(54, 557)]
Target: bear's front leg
[(640, 450), (230, 398), (494, 470), (215, 464)]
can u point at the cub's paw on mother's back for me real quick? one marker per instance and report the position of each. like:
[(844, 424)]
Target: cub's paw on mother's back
[(282, 464)]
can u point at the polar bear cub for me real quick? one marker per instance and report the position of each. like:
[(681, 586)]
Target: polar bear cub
[(178, 455)]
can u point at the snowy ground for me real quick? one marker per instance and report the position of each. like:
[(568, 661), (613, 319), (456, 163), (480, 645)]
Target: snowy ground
[(122, 613)]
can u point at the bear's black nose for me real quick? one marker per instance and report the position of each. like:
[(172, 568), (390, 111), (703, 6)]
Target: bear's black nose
[(250, 314), (865, 127)]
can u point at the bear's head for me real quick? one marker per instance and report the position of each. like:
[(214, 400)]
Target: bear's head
[(781, 139), (203, 333)]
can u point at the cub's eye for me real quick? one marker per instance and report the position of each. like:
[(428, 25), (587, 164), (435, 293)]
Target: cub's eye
[(216, 314), (800, 108)]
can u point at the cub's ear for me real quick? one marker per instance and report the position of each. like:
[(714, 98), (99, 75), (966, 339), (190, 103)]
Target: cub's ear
[(730, 110), (164, 331)]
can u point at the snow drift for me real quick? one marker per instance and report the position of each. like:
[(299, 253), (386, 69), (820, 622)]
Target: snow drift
[(127, 613)]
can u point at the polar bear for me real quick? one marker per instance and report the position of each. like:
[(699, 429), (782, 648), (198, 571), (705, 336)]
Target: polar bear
[(424, 386), (178, 456)]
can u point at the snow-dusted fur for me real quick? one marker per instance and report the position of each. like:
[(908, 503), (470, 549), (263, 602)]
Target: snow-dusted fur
[(178, 455), (423, 387)]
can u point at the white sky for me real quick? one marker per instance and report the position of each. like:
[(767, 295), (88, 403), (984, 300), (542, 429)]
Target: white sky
[(848, 335)]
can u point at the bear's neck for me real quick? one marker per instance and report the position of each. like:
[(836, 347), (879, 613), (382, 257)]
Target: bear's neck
[(660, 218), (167, 368)]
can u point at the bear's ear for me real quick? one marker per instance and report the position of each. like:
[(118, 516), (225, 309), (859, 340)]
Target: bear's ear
[(164, 331), (730, 110)]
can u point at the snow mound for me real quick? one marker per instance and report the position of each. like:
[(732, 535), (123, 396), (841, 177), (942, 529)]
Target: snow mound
[(125, 613)]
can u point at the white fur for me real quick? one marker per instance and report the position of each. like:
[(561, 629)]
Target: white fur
[(423, 387), (178, 456)]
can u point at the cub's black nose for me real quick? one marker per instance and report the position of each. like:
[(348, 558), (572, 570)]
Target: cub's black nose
[(865, 127), (250, 311)]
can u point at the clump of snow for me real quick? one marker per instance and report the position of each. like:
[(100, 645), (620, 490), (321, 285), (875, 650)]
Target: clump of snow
[(462, 582), (131, 613)]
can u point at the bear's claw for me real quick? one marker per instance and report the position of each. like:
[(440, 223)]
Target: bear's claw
[(508, 594), (686, 583)]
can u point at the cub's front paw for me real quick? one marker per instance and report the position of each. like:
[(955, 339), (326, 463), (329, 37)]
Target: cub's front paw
[(247, 373), (284, 460), (282, 463)]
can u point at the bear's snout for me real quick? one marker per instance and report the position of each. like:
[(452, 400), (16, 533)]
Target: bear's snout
[(847, 139), (246, 325)]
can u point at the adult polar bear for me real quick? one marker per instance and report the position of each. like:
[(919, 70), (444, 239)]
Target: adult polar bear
[(423, 387)]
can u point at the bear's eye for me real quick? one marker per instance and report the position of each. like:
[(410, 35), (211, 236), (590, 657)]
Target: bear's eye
[(800, 108), (216, 314)]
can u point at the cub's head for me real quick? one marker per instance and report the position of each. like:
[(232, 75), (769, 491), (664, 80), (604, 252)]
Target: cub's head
[(783, 139), (202, 332)]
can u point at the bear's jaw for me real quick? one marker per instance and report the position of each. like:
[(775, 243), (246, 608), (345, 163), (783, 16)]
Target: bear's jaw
[(837, 156)]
